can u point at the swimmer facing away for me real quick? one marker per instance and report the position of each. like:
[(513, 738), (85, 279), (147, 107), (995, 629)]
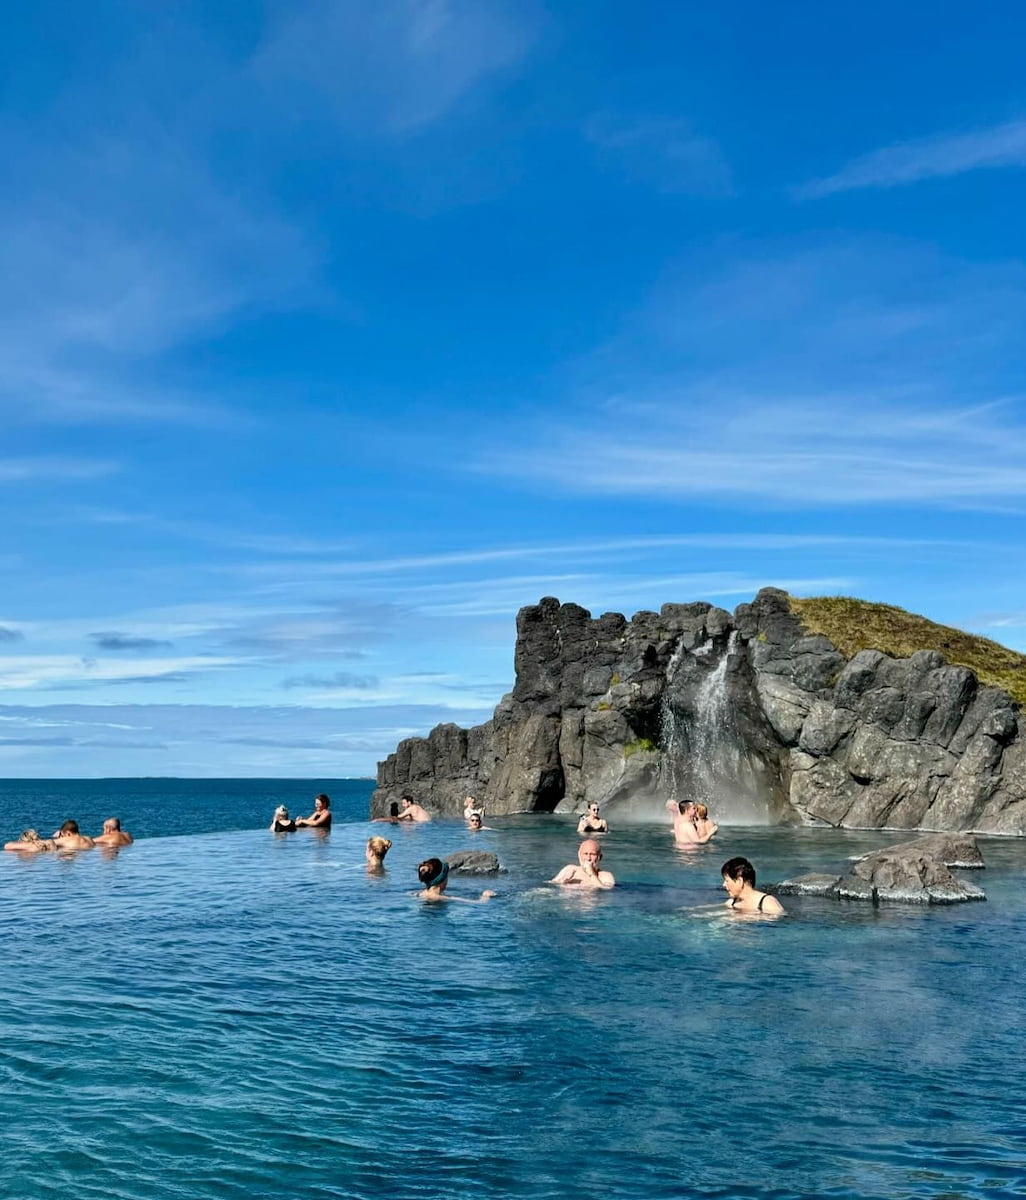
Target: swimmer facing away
[(433, 873), (739, 884), (377, 848), (31, 843), (113, 834), (281, 822)]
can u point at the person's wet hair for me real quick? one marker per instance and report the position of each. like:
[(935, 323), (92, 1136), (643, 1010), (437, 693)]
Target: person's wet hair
[(379, 846), (738, 868), (69, 827), (393, 808), (325, 800), (701, 811), (432, 871)]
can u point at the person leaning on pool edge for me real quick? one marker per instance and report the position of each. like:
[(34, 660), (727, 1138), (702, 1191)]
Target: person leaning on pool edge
[(113, 834), (320, 818), (739, 884)]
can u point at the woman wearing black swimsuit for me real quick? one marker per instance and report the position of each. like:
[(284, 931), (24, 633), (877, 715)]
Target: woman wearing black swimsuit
[(739, 884), (591, 822)]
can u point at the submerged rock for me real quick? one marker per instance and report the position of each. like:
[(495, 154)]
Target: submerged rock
[(474, 862), (952, 849), (908, 877), (814, 884), (906, 874)]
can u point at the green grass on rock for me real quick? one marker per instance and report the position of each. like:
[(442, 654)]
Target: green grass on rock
[(854, 625)]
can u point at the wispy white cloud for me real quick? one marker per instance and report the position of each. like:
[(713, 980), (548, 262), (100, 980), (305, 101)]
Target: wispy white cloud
[(800, 453), (668, 153), (866, 372), (54, 467), (927, 158), (18, 672), (394, 66)]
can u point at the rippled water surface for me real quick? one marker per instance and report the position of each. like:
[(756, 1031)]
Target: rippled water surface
[(236, 1014)]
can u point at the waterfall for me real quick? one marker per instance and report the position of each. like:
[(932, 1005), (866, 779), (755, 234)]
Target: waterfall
[(704, 754), (673, 737)]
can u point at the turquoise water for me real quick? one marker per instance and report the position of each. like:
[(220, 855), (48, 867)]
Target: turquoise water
[(236, 1014)]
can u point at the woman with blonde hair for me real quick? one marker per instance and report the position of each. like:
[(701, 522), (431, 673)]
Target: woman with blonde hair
[(377, 848), (31, 843)]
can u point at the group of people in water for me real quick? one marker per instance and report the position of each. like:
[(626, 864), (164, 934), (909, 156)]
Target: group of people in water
[(69, 837), (690, 822), (691, 825)]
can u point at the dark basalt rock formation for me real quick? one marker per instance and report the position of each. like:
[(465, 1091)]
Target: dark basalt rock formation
[(748, 711), (912, 873), (959, 850), (474, 862)]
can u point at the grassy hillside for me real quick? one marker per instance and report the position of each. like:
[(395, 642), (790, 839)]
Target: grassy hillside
[(854, 625)]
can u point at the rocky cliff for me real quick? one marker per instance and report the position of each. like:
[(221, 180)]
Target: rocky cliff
[(749, 712)]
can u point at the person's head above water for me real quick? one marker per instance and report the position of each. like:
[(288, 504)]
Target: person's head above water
[(590, 851), (377, 848), (322, 801), (701, 811), (739, 869), (407, 801), (432, 872), (112, 825), (474, 821), (393, 808), (69, 827), (687, 808)]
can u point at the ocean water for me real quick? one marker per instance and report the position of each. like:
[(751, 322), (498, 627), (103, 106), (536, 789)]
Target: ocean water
[(238, 1014)]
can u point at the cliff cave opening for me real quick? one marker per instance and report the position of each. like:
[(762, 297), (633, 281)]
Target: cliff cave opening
[(551, 789)]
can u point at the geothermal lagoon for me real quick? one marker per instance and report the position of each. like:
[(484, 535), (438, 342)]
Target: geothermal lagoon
[(234, 1014)]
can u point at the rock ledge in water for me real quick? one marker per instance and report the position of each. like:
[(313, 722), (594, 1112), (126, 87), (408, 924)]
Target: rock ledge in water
[(952, 849), (474, 862), (905, 874)]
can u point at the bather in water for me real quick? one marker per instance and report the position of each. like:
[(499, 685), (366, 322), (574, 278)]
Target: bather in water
[(739, 884), (433, 873)]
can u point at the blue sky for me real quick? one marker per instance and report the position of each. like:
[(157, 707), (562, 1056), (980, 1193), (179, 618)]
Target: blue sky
[(332, 333)]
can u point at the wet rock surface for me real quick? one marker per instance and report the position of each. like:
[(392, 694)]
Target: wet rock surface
[(474, 862), (911, 873), (618, 712)]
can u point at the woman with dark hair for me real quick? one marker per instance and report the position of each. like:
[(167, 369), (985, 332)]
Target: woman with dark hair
[(739, 884), (320, 818), (433, 873)]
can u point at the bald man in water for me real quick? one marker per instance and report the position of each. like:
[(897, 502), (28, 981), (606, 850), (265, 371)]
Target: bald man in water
[(586, 872), (113, 834)]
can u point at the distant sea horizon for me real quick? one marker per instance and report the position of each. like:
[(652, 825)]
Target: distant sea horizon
[(171, 805)]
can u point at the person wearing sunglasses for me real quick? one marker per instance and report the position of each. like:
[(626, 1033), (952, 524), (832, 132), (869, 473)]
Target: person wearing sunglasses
[(591, 822)]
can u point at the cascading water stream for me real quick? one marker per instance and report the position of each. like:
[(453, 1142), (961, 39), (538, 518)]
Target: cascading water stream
[(673, 737), (705, 758)]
